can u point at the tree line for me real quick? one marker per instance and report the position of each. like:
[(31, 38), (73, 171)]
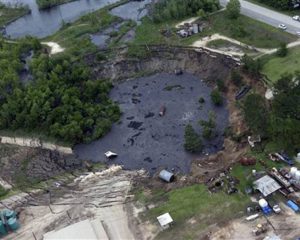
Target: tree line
[(63, 101), (177, 9)]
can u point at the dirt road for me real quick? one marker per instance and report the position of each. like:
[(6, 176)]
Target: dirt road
[(101, 196)]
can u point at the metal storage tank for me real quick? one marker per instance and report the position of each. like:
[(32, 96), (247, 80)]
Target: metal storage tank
[(297, 175), (2, 228), (9, 213), (166, 176), (13, 224), (195, 28), (293, 171), (263, 203)]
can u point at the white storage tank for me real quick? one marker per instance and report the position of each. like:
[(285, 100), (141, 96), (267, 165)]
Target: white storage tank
[(293, 171), (297, 175), (262, 203), (166, 176)]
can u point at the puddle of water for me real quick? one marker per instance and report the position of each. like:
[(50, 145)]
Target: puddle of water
[(42, 23), (99, 40), (134, 10), (159, 139)]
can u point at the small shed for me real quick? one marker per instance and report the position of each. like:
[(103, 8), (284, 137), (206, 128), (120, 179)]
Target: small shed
[(165, 220), (266, 185)]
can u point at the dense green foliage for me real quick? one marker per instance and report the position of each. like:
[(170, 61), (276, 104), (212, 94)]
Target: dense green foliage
[(254, 109), (281, 121), (62, 101), (233, 9), (216, 97), (251, 66), (208, 126), (177, 9), (193, 141), (282, 50)]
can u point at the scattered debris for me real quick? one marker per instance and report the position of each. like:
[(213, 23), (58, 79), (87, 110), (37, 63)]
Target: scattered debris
[(247, 161), (110, 154), (162, 111), (253, 139)]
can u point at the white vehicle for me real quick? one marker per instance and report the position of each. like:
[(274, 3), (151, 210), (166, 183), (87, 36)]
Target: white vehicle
[(296, 18), (282, 26), (276, 208)]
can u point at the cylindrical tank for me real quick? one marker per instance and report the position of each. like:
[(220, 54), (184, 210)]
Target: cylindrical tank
[(166, 176), (297, 175), (9, 213), (293, 172), (13, 224), (195, 28), (263, 203), (2, 229)]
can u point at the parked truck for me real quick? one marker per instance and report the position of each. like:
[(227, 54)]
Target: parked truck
[(293, 205)]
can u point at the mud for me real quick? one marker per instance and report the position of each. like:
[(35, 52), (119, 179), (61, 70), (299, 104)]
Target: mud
[(142, 138)]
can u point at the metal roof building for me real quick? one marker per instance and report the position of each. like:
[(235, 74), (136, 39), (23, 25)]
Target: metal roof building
[(84, 230), (266, 185), (164, 220)]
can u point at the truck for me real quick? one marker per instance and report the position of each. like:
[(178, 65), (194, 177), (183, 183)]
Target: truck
[(264, 206), (284, 157)]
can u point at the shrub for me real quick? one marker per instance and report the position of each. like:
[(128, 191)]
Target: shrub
[(233, 9), (216, 97), (236, 78), (221, 86), (282, 51), (208, 126), (193, 141)]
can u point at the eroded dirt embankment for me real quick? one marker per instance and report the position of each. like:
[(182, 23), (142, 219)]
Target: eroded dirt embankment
[(197, 61)]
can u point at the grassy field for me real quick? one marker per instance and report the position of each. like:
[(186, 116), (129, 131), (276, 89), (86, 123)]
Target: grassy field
[(8, 14), (194, 203), (250, 31), (243, 29), (275, 66)]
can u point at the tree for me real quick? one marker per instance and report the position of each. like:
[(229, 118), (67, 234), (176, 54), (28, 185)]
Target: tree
[(233, 9), (256, 113), (193, 141), (208, 126), (216, 97), (282, 51), (236, 78), (251, 66)]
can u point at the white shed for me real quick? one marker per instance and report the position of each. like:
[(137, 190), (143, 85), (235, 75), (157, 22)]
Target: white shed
[(165, 220)]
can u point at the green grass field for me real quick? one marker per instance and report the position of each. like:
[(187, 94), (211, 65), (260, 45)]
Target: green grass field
[(275, 66), (243, 29), (197, 203)]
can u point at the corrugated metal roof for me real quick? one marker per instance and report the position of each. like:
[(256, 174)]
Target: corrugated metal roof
[(266, 185), (164, 219)]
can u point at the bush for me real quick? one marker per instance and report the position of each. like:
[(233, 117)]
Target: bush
[(236, 78), (208, 126), (221, 85), (216, 97), (193, 141), (282, 51), (201, 100), (251, 66), (233, 9)]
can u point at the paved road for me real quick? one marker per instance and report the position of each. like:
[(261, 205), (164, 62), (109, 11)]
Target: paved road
[(267, 16)]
